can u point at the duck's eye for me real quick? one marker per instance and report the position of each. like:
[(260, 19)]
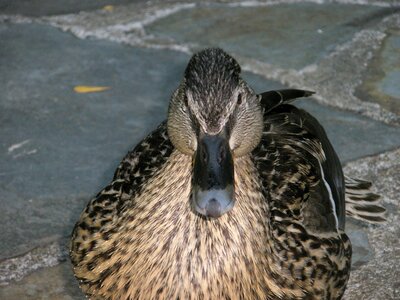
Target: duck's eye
[(239, 99)]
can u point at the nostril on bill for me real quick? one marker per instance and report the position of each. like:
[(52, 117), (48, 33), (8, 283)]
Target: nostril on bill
[(213, 208), (204, 155), (221, 154)]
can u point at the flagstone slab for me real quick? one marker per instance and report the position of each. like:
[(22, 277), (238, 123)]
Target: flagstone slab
[(58, 148), (50, 283), (286, 35), (381, 83), (36, 8)]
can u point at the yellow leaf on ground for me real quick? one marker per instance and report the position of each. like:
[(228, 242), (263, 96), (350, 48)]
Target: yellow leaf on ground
[(83, 89), (108, 8)]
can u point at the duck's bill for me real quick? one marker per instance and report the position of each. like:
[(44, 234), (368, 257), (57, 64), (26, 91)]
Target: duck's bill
[(213, 176)]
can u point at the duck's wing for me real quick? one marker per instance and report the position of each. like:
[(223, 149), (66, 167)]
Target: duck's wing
[(302, 172), (271, 99), (355, 197), (359, 201), (331, 169), (97, 221), (362, 203)]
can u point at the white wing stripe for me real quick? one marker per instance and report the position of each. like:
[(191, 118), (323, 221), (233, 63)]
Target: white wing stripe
[(328, 188)]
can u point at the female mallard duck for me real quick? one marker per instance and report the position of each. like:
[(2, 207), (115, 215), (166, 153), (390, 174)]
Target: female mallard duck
[(235, 196)]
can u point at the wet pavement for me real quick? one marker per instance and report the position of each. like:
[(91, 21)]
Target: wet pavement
[(58, 147)]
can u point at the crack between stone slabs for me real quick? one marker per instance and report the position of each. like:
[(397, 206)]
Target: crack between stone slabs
[(49, 255), (255, 3), (356, 54), (152, 11), (94, 23), (296, 79), (17, 19), (350, 60), (133, 33), (393, 151)]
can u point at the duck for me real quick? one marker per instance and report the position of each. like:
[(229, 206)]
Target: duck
[(237, 195)]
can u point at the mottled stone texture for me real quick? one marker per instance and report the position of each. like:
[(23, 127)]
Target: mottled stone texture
[(286, 35), (58, 148), (381, 83), (379, 278), (56, 283), (51, 7)]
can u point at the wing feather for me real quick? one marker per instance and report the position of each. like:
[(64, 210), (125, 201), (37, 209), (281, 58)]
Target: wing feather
[(301, 151)]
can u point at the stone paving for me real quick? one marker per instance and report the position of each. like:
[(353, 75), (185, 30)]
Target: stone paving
[(58, 148)]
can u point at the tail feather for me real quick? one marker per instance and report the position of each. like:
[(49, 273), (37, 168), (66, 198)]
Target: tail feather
[(361, 203)]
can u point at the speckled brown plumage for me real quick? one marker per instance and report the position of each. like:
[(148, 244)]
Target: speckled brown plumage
[(139, 238)]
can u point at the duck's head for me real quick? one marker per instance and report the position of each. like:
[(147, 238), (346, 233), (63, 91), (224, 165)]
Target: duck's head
[(215, 117)]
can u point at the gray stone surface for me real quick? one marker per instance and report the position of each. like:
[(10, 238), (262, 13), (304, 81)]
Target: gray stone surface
[(271, 33), (54, 7), (47, 255), (58, 148), (362, 252), (54, 283), (339, 73), (381, 82), (380, 277)]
